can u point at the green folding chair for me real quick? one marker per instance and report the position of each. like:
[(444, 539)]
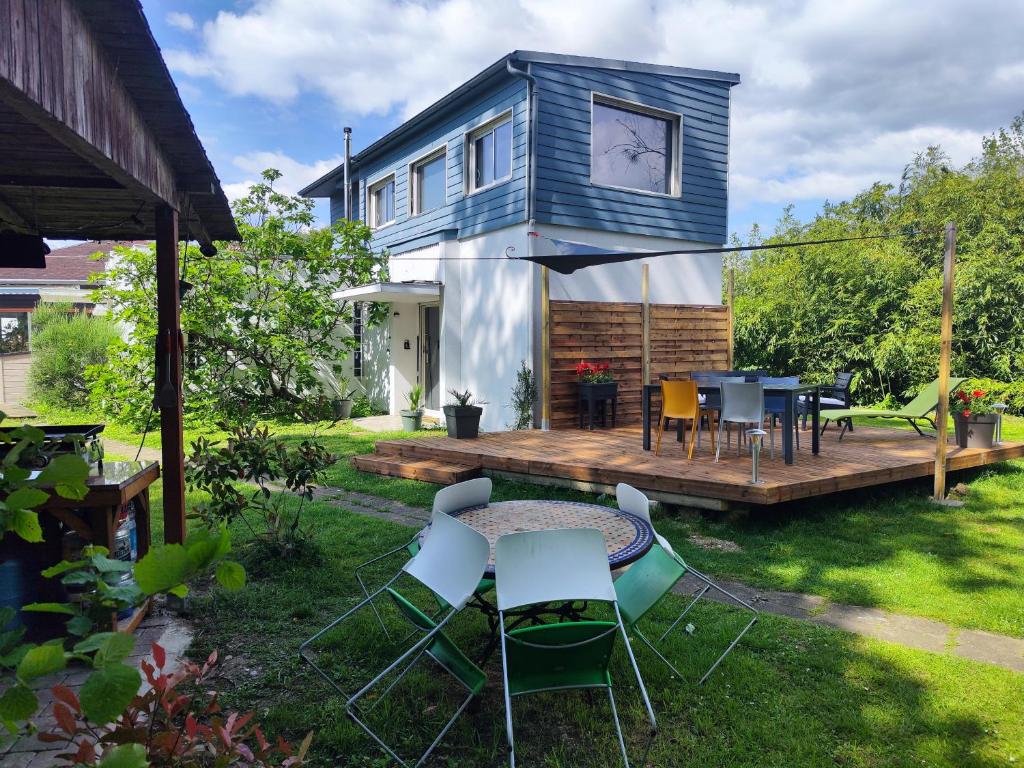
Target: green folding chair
[(450, 563), (918, 409), (541, 567), (647, 581)]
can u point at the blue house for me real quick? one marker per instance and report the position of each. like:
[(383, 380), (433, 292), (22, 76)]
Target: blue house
[(614, 154)]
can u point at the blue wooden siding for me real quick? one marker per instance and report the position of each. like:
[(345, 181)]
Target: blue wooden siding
[(498, 206), (564, 194)]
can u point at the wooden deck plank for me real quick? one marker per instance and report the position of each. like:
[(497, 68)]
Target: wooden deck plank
[(870, 456)]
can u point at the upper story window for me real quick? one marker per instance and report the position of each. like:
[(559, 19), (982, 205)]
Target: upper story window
[(382, 202), (490, 153), (428, 182), (634, 147)]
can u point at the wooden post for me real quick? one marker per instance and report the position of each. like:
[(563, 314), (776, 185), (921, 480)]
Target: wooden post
[(945, 353), (168, 373), (645, 323), (545, 348), (729, 302)]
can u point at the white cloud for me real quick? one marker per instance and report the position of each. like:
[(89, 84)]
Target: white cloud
[(181, 21), (295, 175), (834, 95)]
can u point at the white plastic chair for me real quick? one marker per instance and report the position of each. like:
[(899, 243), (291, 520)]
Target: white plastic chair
[(567, 565), (634, 501), (450, 563), (742, 403), (453, 498)]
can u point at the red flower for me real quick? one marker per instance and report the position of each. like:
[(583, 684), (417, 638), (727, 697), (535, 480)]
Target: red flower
[(963, 396), (967, 412), (977, 393)]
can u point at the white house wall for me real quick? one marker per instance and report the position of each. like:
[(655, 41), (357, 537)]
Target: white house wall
[(673, 279)]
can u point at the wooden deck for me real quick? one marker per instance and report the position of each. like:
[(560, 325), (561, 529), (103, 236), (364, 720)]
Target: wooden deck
[(598, 460)]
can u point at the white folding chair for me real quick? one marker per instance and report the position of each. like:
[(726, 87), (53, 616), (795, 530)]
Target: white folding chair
[(453, 498), (642, 586), (450, 563), (567, 565)]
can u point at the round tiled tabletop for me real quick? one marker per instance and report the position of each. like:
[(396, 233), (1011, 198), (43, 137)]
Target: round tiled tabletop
[(627, 536)]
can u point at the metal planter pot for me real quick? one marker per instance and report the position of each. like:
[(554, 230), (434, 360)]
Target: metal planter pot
[(342, 408), (411, 420), (462, 421), (976, 431)]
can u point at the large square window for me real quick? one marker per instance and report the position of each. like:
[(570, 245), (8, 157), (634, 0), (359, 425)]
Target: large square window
[(633, 148), (490, 154), (382, 202), (429, 184)]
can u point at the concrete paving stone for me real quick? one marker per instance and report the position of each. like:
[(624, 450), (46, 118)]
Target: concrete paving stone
[(992, 648)]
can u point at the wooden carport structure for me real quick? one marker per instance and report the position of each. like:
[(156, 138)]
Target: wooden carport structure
[(95, 143)]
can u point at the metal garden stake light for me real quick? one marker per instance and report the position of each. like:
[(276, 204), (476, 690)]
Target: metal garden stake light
[(999, 408), (756, 437)]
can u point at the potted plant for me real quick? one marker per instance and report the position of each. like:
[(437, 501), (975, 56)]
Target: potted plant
[(342, 402), (596, 385), (974, 418), (462, 418), (412, 417)]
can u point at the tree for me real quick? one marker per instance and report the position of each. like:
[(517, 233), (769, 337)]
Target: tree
[(258, 318), (64, 344), (873, 306)]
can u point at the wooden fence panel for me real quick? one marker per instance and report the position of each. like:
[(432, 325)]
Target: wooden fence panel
[(683, 338)]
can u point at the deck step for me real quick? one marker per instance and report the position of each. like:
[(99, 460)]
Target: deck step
[(428, 470)]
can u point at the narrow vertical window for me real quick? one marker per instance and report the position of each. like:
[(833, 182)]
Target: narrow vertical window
[(429, 182), (357, 337), (382, 202)]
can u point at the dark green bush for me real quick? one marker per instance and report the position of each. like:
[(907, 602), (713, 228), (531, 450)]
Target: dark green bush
[(63, 346)]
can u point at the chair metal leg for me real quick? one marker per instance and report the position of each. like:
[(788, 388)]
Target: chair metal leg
[(362, 585), (721, 423), (657, 653), (508, 696), (639, 679), (618, 727)]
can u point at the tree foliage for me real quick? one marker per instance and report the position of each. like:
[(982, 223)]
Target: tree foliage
[(873, 306), (258, 318), (64, 344)]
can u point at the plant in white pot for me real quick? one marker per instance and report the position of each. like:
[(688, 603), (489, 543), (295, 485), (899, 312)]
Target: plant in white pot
[(462, 417), (412, 417)]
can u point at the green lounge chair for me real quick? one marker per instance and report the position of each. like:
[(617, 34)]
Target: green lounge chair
[(918, 409)]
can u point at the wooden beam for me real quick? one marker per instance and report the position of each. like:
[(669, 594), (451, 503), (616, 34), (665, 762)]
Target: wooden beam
[(168, 373), (730, 299), (545, 348), (14, 219), (645, 310), (57, 75), (945, 355)]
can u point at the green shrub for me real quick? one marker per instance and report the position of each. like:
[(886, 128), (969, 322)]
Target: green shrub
[(62, 348)]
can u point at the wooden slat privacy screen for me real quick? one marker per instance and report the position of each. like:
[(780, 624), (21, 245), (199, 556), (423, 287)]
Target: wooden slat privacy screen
[(683, 337)]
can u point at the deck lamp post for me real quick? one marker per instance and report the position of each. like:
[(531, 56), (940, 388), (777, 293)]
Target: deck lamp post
[(756, 438), (999, 408)]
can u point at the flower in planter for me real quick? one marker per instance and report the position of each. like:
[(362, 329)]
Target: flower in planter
[(976, 402), (594, 373)]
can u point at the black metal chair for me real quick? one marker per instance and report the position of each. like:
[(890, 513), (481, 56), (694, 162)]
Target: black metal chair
[(833, 398)]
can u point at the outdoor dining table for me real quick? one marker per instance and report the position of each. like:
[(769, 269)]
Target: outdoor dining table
[(790, 391), (628, 537)]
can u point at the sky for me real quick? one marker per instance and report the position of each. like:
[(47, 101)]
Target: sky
[(834, 95)]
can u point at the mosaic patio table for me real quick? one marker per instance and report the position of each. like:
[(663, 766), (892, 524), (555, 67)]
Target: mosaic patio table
[(627, 536)]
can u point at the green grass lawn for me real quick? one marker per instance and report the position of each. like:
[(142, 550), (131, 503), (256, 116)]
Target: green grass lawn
[(885, 547), (791, 694)]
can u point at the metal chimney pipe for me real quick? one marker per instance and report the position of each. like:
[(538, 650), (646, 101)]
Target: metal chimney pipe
[(348, 162)]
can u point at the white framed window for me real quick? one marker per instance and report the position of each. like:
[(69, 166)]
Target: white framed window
[(634, 147), (428, 179), (489, 154), (381, 202)]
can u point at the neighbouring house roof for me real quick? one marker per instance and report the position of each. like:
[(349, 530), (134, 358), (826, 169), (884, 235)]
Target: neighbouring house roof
[(73, 264), (327, 184), (411, 292)]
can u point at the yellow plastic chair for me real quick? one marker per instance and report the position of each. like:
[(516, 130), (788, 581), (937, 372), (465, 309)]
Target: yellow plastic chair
[(679, 401)]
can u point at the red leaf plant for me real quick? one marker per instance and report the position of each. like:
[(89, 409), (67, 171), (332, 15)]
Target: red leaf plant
[(594, 373), (176, 729)]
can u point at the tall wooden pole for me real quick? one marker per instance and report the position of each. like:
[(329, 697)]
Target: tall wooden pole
[(732, 284), (945, 354), (168, 373), (645, 320), (545, 348)]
